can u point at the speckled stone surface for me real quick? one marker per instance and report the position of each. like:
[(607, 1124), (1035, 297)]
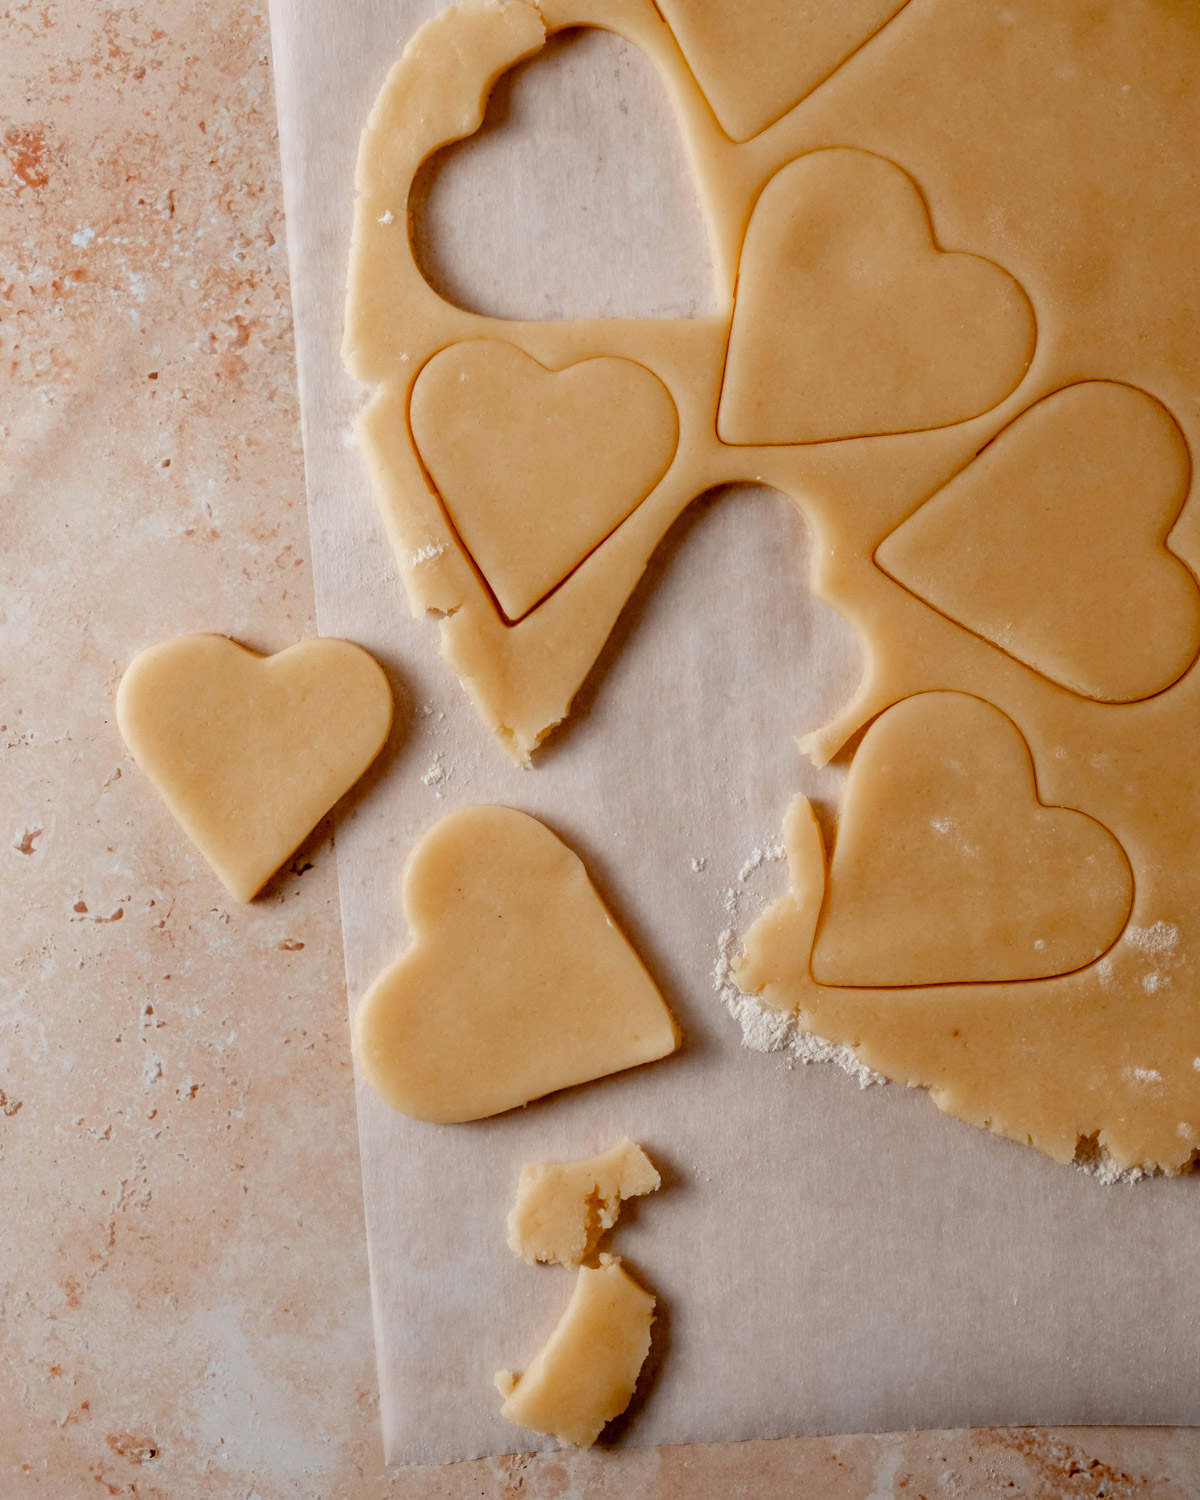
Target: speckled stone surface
[(184, 1302)]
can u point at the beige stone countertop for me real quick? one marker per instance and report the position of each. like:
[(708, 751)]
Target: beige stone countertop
[(184, 1301)]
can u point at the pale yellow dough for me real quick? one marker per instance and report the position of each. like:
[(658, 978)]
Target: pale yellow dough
[(754, 62), (536, 467), (250, 752), (940, 816), (563, 1208), (517, 982), (850, 320), (1014, 191), (1052, 544), (586, 1372)]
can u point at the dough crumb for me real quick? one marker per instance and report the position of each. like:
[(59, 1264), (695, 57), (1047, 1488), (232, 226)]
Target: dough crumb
[(586, 1372), (1094, 1159), (563, 1208)]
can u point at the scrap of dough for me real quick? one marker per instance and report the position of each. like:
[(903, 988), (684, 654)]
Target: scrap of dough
[(563, 1208), (755, 62), (250, 752), (850, 320), (517, 981), (586, 1372), (1052, 544), (536, 467), (947, 869)]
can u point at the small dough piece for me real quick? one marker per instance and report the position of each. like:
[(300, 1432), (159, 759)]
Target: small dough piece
[(585, 1374), (563, 1208), (250, 752), (851, 321), (517, 982), (755, 62), (1052, 544), (947, 869), (536, 467)]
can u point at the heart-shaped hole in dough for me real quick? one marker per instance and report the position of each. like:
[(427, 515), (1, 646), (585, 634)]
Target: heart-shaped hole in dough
[(574, 199)]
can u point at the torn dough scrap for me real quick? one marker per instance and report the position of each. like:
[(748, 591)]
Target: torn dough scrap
[(563, 1208), (586, 1372)]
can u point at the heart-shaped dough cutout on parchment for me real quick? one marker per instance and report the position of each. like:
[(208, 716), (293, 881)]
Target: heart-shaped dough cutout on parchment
[(517, 982), (250, 752), (947, 869), (756, 62), (851, 321), (1052, 544), (537, 467)]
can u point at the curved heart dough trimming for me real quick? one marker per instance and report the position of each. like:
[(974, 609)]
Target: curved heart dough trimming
[(517, 982)]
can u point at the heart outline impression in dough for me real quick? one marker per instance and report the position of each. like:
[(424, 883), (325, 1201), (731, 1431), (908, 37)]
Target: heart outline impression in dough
[(250, 752), (517, 982), (1052, 544), (754, 64), (947, 868), (536, 467), (837, 334)]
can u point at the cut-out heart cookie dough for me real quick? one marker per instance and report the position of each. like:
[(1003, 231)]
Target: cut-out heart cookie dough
[(1052, 544), (850, 320), (250, 752), (1037, 147), (754, 63), (536, 467), (948, 869), (517, 982)]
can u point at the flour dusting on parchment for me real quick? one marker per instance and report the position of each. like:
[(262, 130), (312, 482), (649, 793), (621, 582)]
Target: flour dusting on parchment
[(764, 1028)]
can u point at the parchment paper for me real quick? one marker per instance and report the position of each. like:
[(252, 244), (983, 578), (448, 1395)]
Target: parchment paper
[(827, 1258)]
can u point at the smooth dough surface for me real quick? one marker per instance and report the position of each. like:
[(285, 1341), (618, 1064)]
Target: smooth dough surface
[(1052, 544), (536, 467), (851, 321), (1050, 148), (517, 982), (755, 62), (948, 869), (585, 1373), (250, 752), (563, 1208)]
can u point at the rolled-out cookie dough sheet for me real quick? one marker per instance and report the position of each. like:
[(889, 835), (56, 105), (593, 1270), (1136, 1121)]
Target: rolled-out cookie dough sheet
[(827, 1258)]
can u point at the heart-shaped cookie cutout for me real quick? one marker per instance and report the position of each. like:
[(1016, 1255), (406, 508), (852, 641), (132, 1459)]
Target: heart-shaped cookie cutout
[(517, 982), (850, 321), (1052, 544), (756, 62), (947, 869), (534, 466), (250, 752)]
